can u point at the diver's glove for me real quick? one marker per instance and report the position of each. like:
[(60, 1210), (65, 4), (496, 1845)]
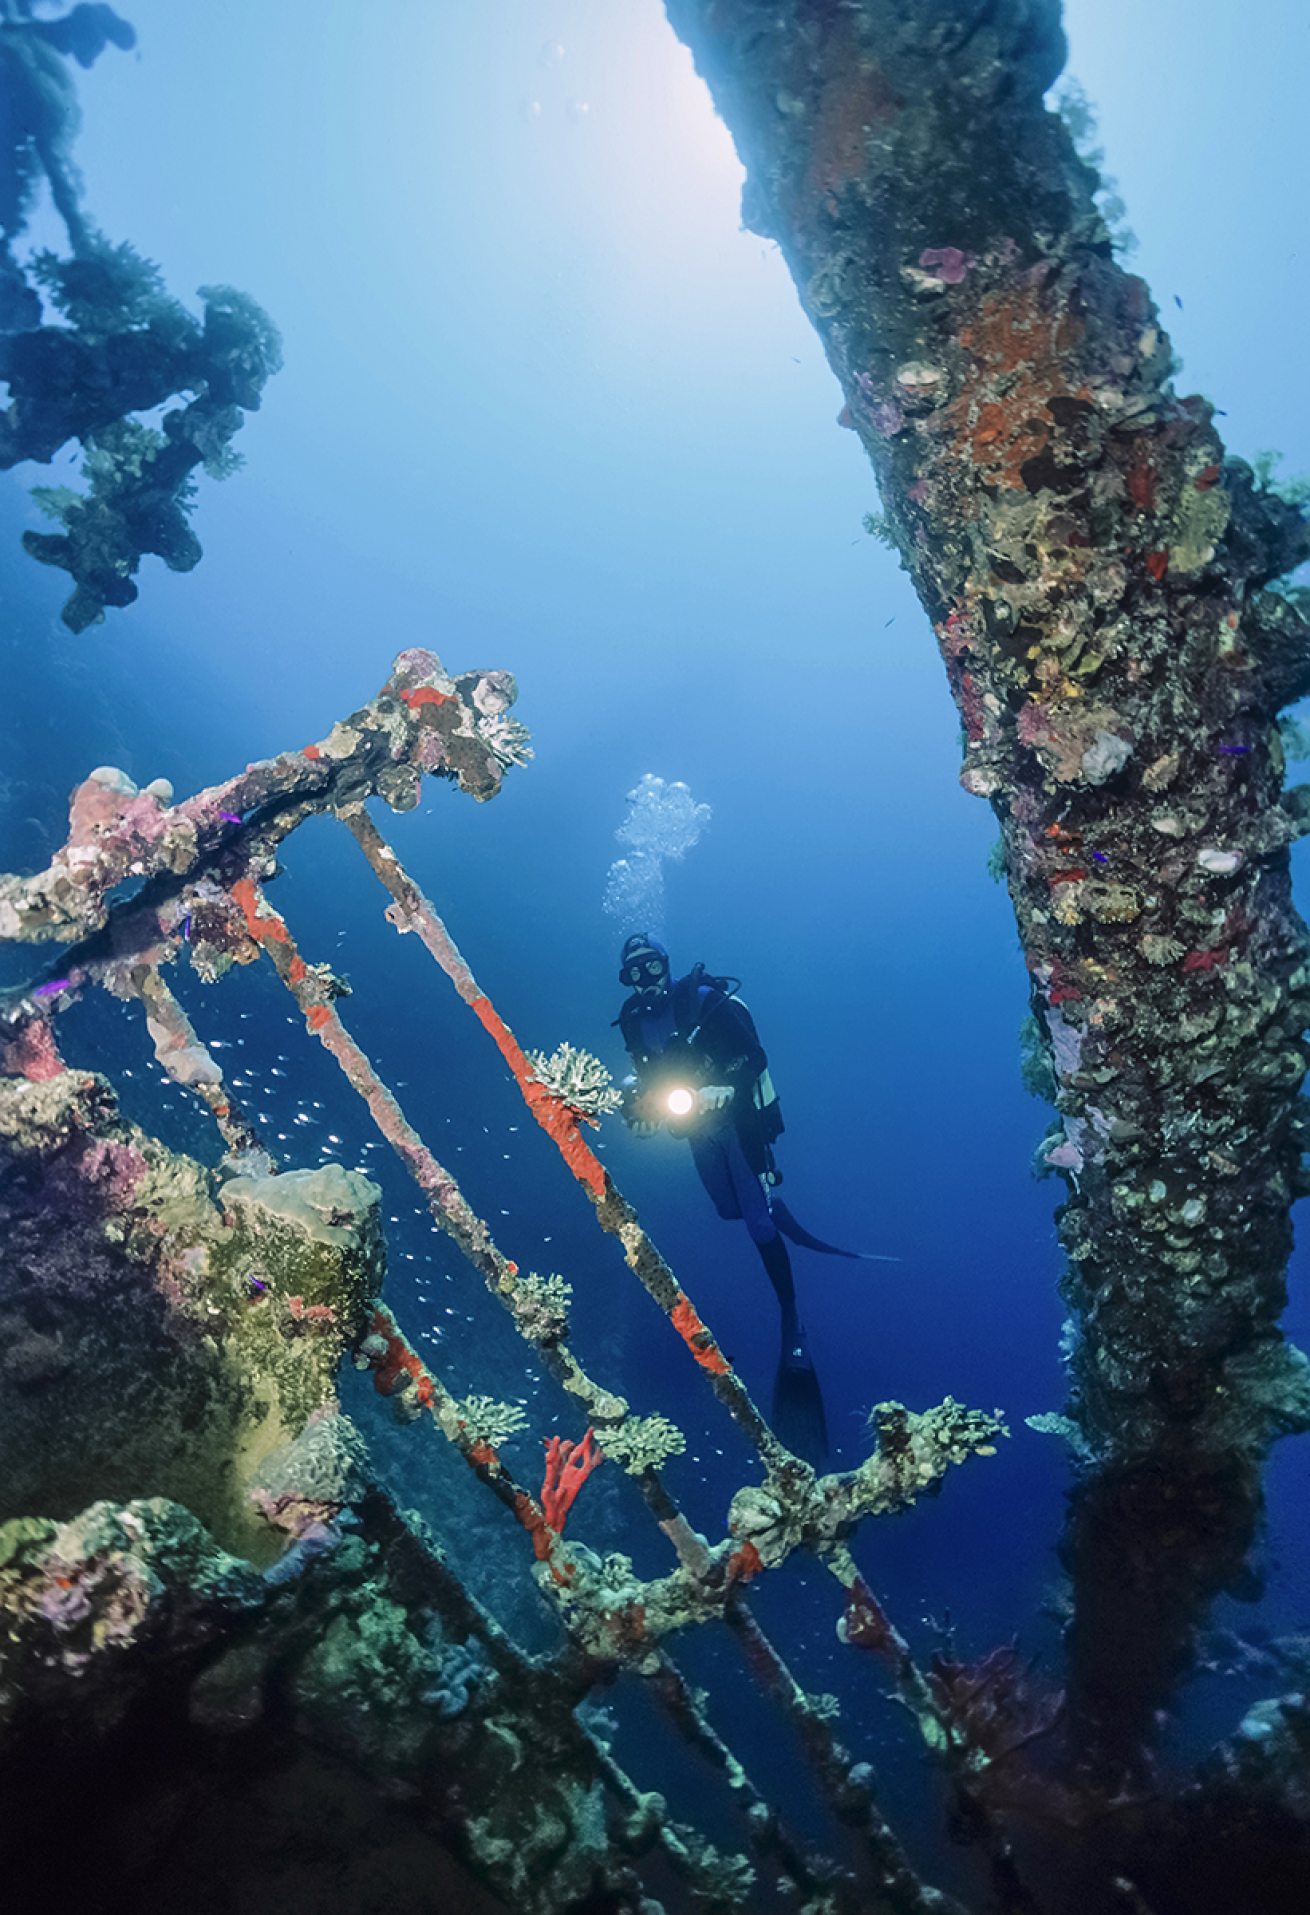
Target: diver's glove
[(714, 1096), (634, 1106)]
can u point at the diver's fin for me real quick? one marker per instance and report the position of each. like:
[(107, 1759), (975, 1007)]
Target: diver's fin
[(798, 1418), (790, 1228)]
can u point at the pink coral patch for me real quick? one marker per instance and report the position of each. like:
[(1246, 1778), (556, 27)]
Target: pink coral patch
[(32, 1054), (143, 817), (947, 263), (113, 1171), (93, 809)]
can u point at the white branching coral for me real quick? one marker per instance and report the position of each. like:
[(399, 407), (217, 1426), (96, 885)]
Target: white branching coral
[(643, 1442), (506, 738), (579, 1078), (542, 1303), (721, 1881), (488, 1421)]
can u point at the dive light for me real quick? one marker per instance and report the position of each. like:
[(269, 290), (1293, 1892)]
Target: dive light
[(680, 1102)]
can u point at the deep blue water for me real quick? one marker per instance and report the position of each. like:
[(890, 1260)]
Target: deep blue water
[(545, 407)]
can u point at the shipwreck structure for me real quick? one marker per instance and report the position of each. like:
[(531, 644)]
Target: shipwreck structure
[(214, 1614), (1102, 578), (219, 1534)]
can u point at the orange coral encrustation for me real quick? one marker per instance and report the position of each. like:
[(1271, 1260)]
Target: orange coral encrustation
[(399, 1357), (558, 1119), (425, 695), (697, 1338), (263, 929), (568, 1465), (1020, 349)]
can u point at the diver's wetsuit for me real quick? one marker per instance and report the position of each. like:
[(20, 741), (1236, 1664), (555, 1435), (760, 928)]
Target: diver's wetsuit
[(713, 1037), (704, 1036)]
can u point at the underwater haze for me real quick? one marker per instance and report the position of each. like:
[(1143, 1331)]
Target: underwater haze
[(546, 407)]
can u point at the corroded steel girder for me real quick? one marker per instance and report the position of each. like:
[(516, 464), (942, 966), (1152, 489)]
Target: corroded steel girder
[(1094, 568)]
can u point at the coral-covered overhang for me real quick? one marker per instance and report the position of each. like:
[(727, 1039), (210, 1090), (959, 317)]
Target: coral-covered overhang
[(1096, 570)]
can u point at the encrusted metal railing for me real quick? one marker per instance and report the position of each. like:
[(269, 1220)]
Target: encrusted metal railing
[(199, 869)]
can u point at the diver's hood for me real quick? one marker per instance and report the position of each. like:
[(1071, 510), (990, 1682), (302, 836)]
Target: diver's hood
[(641, 945)]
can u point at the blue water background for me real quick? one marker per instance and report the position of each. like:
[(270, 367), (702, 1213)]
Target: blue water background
[(545, 406)]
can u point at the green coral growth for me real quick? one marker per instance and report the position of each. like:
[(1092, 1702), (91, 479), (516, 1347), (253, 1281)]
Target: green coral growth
[(24, 1539), (489, 1421), (122, 452), (364, 1676), (1158, 949), (879, 526), (642, 1443), (719, 1882), (58, 501), (1292, 491), (996, 860), (1296, 740), (244, 325), (1049, 1423), (109, 289), (126, 347), (1035, 1067), (579, 1078), (542, 1304), (1079, 115)]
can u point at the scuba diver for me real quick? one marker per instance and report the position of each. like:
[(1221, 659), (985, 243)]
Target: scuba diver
[(701, 1069)]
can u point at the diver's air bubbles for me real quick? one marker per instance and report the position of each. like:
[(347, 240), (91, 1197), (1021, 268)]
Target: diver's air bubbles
[(663, 822)]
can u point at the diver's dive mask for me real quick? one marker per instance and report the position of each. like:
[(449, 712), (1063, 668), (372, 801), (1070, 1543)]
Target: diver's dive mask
[(644, 964), (645, 972)]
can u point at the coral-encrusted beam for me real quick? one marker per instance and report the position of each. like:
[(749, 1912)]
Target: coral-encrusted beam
[(314, 988), (900, 1888), (118, 834), (1107, 588), (396, 1365), (1094, 569), (411, 911), (179, 1051)]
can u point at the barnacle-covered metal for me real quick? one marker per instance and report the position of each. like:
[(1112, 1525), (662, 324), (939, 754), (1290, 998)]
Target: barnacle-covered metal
[(385, 1654)]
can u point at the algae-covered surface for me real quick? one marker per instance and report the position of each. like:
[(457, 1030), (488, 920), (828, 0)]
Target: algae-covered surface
[(900, 576), (163, 1333)]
